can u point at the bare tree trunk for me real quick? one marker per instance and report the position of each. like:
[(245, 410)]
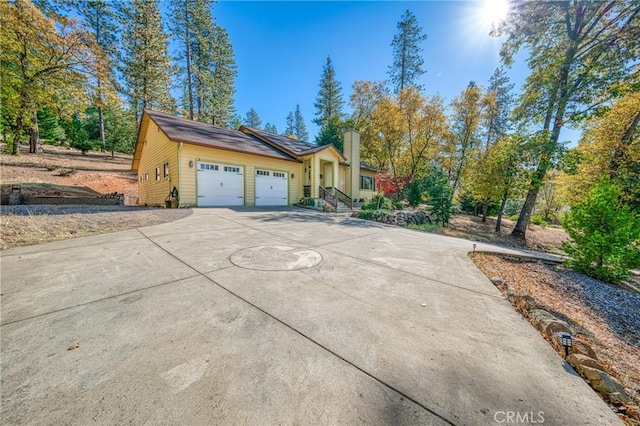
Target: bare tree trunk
[(500, 212), (16, 138), (34, 140), (101, 126), (188, 47), (561, 93), (485, 210)]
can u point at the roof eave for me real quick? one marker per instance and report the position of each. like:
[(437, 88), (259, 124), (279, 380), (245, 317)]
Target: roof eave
[(293, 159), (137, 153)]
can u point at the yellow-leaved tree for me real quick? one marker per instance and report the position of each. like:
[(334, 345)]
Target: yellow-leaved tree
[(45, 62), (610, 147)]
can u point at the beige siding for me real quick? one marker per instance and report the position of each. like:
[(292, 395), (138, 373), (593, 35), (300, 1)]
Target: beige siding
[(157, 150), (363, 192), (194, 153)]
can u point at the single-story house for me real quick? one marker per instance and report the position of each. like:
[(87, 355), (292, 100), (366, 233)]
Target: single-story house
[(199, 164)]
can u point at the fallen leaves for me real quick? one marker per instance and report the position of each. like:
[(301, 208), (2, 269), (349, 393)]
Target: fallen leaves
[(605, 315)]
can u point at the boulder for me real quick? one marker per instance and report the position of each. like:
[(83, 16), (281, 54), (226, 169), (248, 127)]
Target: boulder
[(555, 326), (605, 385), (523, 302), (539, 318), (578, 361), (582, 348), (497, 280)]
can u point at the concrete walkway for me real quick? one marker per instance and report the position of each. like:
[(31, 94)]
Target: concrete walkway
[(263, 317)]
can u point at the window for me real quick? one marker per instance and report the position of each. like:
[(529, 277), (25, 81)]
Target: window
[(204, 166), (262, 172), (165, 172), (278, 174), (366, 183), (231, 169)]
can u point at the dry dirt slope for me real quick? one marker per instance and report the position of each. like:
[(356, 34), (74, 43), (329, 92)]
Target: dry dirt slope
[(46, 173), (93, 174)]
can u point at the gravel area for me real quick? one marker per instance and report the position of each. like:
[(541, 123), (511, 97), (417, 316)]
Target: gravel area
[(35, 224), (51, 209)]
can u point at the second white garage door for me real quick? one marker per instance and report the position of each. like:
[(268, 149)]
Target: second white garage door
[(220, 185), (271, 188)]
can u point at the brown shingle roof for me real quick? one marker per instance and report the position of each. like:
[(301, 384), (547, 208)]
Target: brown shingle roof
[(365, 166), (293, 145), (180, 129)]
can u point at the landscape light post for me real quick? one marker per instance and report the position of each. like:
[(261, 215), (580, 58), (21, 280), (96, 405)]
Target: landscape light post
[(567, 342)]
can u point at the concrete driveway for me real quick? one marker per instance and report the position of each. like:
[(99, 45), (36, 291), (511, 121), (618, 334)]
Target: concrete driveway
[(251, 316)]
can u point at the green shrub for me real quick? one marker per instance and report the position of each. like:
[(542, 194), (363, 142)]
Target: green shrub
[(440, 205), (415, 193), (514, 217), (378, 202), (366, 214), (434, 189), (467, 202), (83, 145), (604, 235), (537, 219)]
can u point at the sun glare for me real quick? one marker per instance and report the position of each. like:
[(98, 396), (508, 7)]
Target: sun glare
[(494, 11)]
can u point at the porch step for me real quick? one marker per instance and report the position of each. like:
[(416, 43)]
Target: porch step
[(342, 207)]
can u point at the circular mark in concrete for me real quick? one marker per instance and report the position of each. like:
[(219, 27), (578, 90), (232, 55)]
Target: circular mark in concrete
[(276, 258)]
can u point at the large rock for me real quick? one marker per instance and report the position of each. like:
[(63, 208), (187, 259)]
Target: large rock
[(523, 302), (606, 385), (539, 317), (583, 348), (555, 326), (579, 361)]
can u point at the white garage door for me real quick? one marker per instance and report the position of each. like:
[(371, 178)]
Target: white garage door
[(220, 185), (271, 188)]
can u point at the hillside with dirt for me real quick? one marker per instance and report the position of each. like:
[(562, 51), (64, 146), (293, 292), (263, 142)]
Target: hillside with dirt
[(63, 172), (60, 171)]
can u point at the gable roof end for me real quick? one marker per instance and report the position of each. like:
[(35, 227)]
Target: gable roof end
[(292, 146)]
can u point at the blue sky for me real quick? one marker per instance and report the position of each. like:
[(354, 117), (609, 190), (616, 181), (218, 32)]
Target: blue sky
[(281, 48)]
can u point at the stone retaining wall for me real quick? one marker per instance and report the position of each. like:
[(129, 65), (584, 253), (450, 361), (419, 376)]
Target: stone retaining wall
[(398, 218), (97, 201)]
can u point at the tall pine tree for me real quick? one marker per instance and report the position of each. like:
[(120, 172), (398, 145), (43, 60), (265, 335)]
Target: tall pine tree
[(100, 17), (271, 128), (407, 54), (147, 68), (252, 119), (290, 129), (329, 100), (207, 68), (498, 107), (215, 99), (329, 107), (300, 129)]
